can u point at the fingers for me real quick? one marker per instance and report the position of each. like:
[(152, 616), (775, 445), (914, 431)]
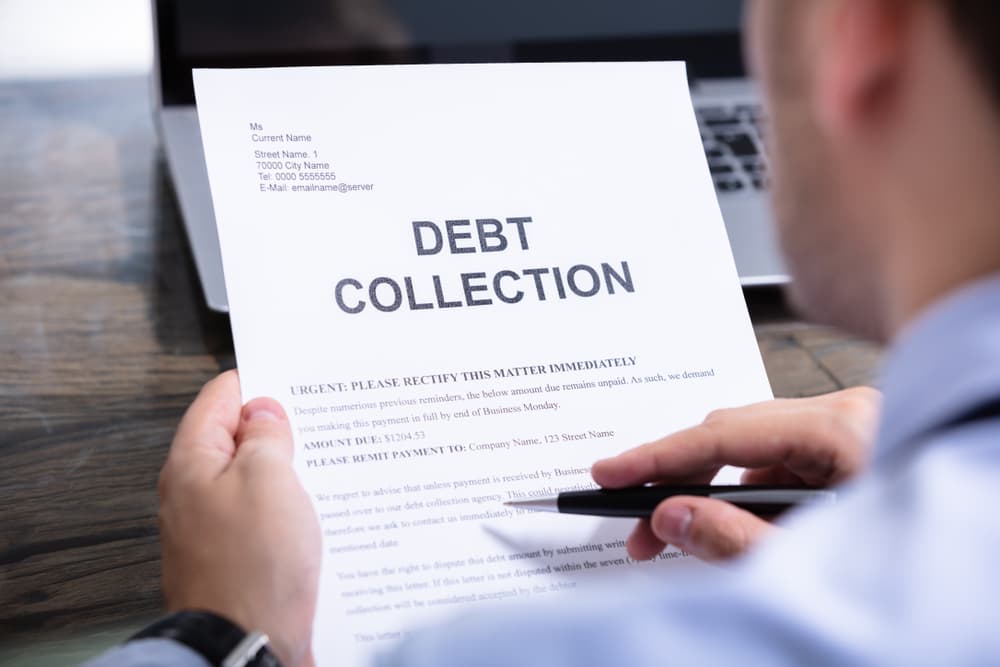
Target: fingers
[(706, 528), (203, 445), (695, 454), (747, 437), (643, 544), (215, 430), (682, 455), (776, 475), (264, 432), (821, 440)]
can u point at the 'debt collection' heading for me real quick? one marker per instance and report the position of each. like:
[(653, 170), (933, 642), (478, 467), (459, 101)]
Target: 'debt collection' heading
[(481, 235)]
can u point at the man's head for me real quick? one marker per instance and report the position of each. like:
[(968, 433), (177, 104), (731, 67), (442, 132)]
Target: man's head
[(885, 147)]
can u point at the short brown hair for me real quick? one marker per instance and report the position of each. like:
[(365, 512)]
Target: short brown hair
[(977, 23)]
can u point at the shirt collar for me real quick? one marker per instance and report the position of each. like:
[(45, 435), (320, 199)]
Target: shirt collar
[(945, 362)]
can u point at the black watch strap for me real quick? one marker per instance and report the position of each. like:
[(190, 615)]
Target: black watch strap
[(220, 641)]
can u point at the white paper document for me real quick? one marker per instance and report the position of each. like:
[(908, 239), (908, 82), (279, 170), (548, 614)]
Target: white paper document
[(466, 283)]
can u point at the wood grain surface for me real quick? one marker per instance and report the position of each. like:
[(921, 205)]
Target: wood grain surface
[(105, 339)]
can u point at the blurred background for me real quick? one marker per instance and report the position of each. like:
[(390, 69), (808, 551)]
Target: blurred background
[(46, 39)]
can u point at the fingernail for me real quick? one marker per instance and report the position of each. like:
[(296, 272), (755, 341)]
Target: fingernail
[(672, 524), (260, 411)]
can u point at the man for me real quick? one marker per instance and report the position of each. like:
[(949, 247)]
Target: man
[(886, 156)]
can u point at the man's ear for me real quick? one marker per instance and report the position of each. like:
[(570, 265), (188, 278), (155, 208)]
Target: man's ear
[(860, 63)]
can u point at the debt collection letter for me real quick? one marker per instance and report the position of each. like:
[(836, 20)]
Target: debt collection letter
[(465, 284)]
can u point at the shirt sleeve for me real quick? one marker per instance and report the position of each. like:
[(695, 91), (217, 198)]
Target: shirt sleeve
[(149, 653)]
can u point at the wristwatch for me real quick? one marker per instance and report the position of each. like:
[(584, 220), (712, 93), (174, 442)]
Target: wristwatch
[(220, 641)]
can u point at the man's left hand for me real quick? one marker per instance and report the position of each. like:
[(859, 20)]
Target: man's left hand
[(239, 535)]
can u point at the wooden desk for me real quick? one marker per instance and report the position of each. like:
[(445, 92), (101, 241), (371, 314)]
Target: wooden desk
[(104, 340)]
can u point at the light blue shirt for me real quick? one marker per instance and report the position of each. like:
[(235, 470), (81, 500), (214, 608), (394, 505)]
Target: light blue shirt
[(903, 570)]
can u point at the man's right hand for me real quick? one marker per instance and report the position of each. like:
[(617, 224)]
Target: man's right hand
[(806, 442)]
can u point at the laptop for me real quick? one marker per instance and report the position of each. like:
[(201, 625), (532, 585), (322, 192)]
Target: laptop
[(257, 33)]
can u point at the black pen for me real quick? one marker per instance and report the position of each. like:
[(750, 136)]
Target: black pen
[(640, 501)]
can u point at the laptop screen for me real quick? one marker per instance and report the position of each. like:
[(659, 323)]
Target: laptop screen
[(255, 33)]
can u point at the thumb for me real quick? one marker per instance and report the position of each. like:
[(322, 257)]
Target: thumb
[(263, 431), (707, 528)]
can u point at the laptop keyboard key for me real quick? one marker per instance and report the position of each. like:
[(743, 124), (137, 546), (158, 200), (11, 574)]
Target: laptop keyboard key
[(730, 123), (734, 132), (739, 143), (711, 111), (728, 184)]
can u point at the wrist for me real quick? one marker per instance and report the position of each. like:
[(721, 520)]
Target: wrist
[(220, 641)]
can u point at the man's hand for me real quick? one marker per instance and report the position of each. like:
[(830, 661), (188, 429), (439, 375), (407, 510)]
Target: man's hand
[(806, 442), (239, 535)]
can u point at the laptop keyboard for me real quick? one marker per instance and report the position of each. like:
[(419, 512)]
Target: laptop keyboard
[(733, 138)]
